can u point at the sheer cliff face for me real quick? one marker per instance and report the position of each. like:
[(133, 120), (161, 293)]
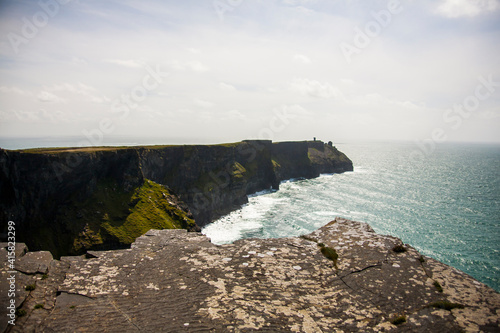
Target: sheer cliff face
[(307, 159), (71, 200), (212, 180)]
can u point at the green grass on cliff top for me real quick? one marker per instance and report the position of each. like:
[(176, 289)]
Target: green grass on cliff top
[(56, 150)]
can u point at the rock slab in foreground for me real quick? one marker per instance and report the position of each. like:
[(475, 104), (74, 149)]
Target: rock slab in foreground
[(175, 281)]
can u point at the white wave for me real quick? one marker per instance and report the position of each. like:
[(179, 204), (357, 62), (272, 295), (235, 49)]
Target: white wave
[(327, 213), (291, 180), (361, 169), (259, 193)]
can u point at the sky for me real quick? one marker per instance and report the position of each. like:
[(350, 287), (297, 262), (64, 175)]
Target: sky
[(228, 70)]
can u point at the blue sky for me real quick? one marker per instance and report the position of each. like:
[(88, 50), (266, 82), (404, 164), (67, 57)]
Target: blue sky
[(228, 70)]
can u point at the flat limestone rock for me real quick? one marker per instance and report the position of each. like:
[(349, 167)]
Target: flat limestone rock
[(34, 262), (175, 281)]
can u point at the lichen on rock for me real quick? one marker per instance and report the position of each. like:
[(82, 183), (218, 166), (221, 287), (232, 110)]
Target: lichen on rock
[(175, 281)]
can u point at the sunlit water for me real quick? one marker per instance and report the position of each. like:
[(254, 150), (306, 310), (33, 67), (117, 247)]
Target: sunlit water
[(447, 205)]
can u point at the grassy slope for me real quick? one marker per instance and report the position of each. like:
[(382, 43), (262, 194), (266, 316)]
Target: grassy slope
[(113, 215)]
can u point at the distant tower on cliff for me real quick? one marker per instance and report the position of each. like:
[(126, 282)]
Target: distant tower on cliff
[(314, 138)]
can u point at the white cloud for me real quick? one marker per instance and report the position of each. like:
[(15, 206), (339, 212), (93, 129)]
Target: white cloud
[(197, 66), (194, 66), (203, 104), (298, 2), (467, 8), (130, 63), (233, 115), (316, 89), (301, 58), (90, 93), (253, 64), (79, 61), (26, 116), (348, 82), (48, 97), (304, 10), (490, 114), (14, 90), (376, 100), (226, 87), (294, 110), (40, 115)]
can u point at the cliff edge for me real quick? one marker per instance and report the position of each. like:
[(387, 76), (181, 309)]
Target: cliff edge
[(70, 200), (342, 277)]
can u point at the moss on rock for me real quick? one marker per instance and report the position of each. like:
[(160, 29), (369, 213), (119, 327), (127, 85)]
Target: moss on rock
[(113, 215), (150, 208)]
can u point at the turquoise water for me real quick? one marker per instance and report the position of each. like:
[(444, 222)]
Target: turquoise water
[(446, 204)]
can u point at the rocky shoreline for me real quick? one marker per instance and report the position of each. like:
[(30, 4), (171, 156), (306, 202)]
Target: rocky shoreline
[(342, 277)]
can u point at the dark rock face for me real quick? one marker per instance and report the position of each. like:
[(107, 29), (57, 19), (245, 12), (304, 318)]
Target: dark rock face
[(307, 159), (72, 199), (327, 158), (175, 281), (212, 180)]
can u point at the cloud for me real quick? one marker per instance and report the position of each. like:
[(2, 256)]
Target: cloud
[(301, 58), (383, 102), (293, 110), (203, 104), (14, 90), (194, 66), (226, 86), (90, 93), (298, 2), (490, 114), (304, 10), (26, 116), (466, 8), (264, 54), (348, 82), (48, 97), (130, 63), (315, 89), (41, 115), (233, 115), (79, 61), (197, 66)]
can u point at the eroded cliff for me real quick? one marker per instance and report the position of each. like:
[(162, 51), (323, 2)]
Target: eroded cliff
[(69, 200)]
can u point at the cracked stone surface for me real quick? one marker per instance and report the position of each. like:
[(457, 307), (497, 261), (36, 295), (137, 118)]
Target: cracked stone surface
[(175, 281)]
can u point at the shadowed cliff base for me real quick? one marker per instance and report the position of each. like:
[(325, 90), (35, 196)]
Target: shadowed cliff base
[(175, 281), (69, 200)]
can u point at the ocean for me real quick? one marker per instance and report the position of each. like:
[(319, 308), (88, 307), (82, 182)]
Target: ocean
[(446, 204)]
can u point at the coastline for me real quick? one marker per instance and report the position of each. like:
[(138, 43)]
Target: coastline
[(69, 200)]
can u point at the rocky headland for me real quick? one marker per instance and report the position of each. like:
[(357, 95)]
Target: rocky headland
[(341, 278), (70, 200)]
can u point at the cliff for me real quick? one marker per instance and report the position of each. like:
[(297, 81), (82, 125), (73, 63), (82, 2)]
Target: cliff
[(343, 277), (69, 200), (307, 159)]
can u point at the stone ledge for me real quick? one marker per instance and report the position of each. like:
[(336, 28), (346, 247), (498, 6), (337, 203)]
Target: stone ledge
[(175, 281)]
